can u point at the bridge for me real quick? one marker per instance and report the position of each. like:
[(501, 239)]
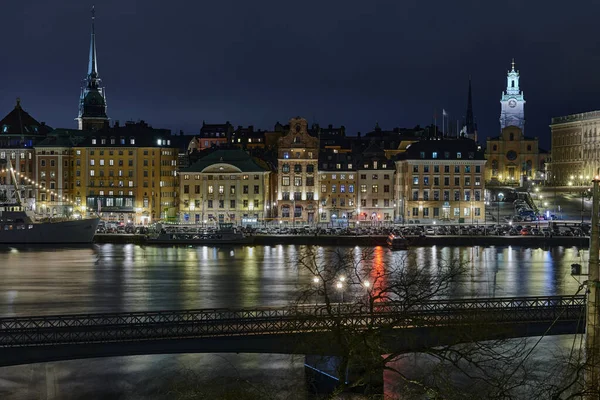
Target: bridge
[(286, 330)]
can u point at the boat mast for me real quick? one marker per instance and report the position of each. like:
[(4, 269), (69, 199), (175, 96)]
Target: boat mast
[(15, 182)]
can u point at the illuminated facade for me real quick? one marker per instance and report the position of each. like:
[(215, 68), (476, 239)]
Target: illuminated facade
[(575, 144), (298, 178), (512, 103), (338, 194), (441, 180), (19, 133), (128, 174), (227, 185), (375, 186)]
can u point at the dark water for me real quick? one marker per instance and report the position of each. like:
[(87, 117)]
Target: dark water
[(134, 278)]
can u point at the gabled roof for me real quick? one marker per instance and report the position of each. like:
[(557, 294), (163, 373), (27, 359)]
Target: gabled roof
[(236, 157), (19, 122)]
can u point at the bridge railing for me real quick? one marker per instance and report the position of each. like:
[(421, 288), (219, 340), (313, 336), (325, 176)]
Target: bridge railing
[(111, 327)]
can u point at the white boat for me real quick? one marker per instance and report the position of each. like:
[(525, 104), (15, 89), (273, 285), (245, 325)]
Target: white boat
[(16, 227), (182, 234)]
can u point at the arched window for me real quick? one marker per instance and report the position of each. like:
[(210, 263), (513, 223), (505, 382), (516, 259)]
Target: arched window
[(512, 83), (285, 168)]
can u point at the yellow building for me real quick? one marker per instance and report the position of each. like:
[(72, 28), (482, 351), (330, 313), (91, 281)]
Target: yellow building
[(441, 180), (128, 174), (338, 189)]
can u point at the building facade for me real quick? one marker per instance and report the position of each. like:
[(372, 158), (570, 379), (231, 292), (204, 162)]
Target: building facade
[(127, 174), (338, 197), (441, 180), (375, 186), (575, 149), (19, 133), (298, 178), (227, 185), (514, 158), (512, 102)]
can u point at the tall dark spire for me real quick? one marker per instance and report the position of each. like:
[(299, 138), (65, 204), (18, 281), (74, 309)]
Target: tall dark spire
[(470, 127), (92, 77), (92, 103)]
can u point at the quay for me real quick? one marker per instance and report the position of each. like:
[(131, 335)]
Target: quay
[(364, 240)]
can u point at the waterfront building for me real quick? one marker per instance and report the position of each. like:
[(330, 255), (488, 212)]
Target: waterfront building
[(127, 173), (225, 185), (441, 180), (297, 162), (19, 133), (375, 185), (513, 158), (575, 144), (92, 101), (338, 195), (54, 173)]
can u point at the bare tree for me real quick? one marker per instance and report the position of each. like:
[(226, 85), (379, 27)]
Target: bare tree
[(347, 282)]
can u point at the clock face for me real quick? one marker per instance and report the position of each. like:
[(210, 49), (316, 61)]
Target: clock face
[(512, 103)]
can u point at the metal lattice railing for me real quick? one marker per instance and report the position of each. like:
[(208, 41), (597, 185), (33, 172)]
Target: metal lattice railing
[(136, 326)]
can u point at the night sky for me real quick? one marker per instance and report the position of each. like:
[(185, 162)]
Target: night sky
[(354, 63)]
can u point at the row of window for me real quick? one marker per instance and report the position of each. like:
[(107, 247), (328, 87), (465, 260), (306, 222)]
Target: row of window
[(436, 169), (363, 188), (285, 168), (221, 189), (186, 177), (436, 212), (434, 154), (436, 181), (221, 204), (285, 181), (446, 194), (286, 154)]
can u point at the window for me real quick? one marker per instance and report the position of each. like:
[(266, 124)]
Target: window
[(415, 168), (363, 202), (210, 204), (342, 188), (436, 181), (323, 188), (232, 189), (434, 154), (447, 169), (43, 163), (477, 211), (310, 196), (211, 189), (111, 162), (456, 181), (415, 195), (386, 188), (221, 189), (456, 212), (285, 210), (386, 176), (285, 168), (477, 181), (285, 181), (426, 212), (245, 189), (363, 188), (426, 180), (422, 154), (186, 189), (458, 155), (310, 168), (297, 181), (477, 195), (446, 181), (415, 212), (351, 188), (375, 177), (333, 188), (310, 181), (362, 176), (457, 195), (436, 195), (446, 195), (221, 203), (467, 211), (415, 180), (286, 155), (256, 189), (478, 169), (130, 183), (374, 203), (426, 168), (467, 181)]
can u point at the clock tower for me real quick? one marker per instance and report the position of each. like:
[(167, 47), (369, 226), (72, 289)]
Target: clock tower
[(512, 102)]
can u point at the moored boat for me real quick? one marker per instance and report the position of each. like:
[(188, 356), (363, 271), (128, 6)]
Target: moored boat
[(397, 242), (189, 235)]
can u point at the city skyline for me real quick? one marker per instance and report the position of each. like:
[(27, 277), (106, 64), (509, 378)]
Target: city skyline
[(175, 70)]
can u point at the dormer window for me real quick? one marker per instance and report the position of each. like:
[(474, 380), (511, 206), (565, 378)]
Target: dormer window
[(103, 140), (112, 140), (93, 140), (459, 155), (5, 128), (131, 140)]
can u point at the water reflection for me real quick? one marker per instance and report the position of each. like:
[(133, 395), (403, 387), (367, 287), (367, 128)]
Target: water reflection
[(133, 278)]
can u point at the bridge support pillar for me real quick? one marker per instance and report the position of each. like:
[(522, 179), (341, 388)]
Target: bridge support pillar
[(323, 375)]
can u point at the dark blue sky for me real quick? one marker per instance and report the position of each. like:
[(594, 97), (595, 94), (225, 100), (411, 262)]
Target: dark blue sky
[(177, 63)]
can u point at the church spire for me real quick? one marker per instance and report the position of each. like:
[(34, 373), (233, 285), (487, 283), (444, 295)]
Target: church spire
[(92, 77), (470, 129), (92, 103)]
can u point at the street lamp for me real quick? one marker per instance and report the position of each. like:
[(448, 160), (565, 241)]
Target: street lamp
[(340, 287)]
